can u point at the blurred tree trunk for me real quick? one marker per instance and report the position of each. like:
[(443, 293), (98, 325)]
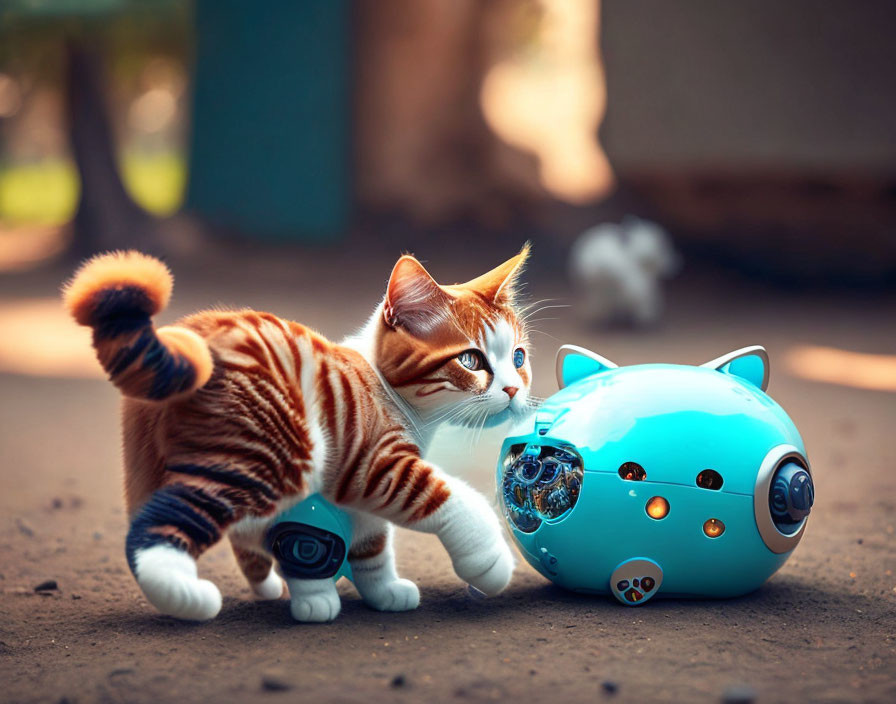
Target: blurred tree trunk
[(107, 217), (423, 147)]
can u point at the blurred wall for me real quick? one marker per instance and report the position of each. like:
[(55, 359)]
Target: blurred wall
[(795, 84), (761, 133)]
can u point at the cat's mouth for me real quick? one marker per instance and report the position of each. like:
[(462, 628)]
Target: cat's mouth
[(510, 413)]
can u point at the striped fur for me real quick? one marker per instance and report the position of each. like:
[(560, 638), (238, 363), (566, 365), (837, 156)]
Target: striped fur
[(232, 416)]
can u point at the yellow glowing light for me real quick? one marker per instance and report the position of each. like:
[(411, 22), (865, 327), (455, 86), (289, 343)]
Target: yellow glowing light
[(657, 507), (834, 366), (713, 528)]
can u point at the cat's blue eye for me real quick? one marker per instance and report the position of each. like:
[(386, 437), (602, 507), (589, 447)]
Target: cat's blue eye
[(472, 360), (519, 357)]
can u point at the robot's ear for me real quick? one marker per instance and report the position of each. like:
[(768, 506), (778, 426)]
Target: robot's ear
[(574, 363), (749, 363)]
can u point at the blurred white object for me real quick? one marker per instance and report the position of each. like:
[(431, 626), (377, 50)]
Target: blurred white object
[(617, 271)]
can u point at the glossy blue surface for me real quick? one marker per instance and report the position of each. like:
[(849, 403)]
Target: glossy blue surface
[(675, 421)]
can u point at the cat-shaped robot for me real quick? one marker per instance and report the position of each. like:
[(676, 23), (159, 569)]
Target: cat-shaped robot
[(657, 478)]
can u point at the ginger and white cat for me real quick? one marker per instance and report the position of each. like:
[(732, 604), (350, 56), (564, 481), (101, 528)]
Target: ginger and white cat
[(230, 417)]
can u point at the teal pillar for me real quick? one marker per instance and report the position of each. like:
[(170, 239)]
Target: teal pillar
[(269, 152)]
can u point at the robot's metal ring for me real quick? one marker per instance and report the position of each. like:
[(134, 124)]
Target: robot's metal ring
[(775, 540)]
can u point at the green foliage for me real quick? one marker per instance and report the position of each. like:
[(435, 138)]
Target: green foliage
[(46, 193)]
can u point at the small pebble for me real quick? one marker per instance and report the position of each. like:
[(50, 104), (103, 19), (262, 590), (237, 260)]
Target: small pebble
[(739, 694), (24, 528), (609, 687), (47, 586), (75, 597), (274, 683), (57, 503), (398, 681), (122, 671)]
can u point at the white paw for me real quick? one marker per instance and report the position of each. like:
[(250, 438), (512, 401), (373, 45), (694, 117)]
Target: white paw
[(398, 595), (315, 607), (495, 576), (269, 588), (168, 578)]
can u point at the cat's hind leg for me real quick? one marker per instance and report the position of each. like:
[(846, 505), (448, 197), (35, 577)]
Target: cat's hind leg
[(176, 524), (258, 569), (372, 559)]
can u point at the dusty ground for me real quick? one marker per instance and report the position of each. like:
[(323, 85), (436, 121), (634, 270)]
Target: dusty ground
[(822, 629)]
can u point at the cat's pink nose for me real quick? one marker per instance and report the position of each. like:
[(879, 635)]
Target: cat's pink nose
[(511, 390)]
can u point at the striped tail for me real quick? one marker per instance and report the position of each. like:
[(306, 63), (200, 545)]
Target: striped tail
[(116, 294)]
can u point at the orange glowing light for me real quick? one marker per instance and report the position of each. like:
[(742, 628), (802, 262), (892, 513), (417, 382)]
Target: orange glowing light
[(713, 528), (657, 508)]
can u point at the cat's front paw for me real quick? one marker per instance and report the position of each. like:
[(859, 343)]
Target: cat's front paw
[(397, 595), (497, 576), (316, 608), (313, 601)]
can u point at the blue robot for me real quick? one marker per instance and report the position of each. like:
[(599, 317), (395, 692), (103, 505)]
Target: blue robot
[(657, 478)]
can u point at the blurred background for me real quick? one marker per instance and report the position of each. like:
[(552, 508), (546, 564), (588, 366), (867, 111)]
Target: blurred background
[(663, 159), (760, 136), (659, 157), (695, 177)]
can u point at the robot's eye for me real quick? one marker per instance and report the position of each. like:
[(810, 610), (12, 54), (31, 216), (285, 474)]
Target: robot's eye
[(710, 479), (632, 472), (540, 483), (791, 496), (783, 498)]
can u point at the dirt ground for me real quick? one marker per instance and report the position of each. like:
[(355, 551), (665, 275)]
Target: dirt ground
[(822, 629)]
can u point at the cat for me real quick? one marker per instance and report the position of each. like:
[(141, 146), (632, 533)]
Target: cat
[(232, 416)]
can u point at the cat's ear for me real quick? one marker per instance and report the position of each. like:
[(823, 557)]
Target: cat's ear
[(574, 363), (749, 363), (414, 300), (499, 284)]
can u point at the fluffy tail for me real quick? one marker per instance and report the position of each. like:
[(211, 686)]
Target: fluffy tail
[(116, 294)]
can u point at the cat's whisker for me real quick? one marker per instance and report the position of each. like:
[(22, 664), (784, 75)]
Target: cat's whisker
[(547, 334), (525, 309), (529, 314), (448, 415), (456, 415)]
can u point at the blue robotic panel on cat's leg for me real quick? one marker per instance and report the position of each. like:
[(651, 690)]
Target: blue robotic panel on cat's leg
[(311, 540)]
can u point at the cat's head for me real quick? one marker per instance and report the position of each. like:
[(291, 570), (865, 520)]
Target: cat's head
[(461, 347)]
